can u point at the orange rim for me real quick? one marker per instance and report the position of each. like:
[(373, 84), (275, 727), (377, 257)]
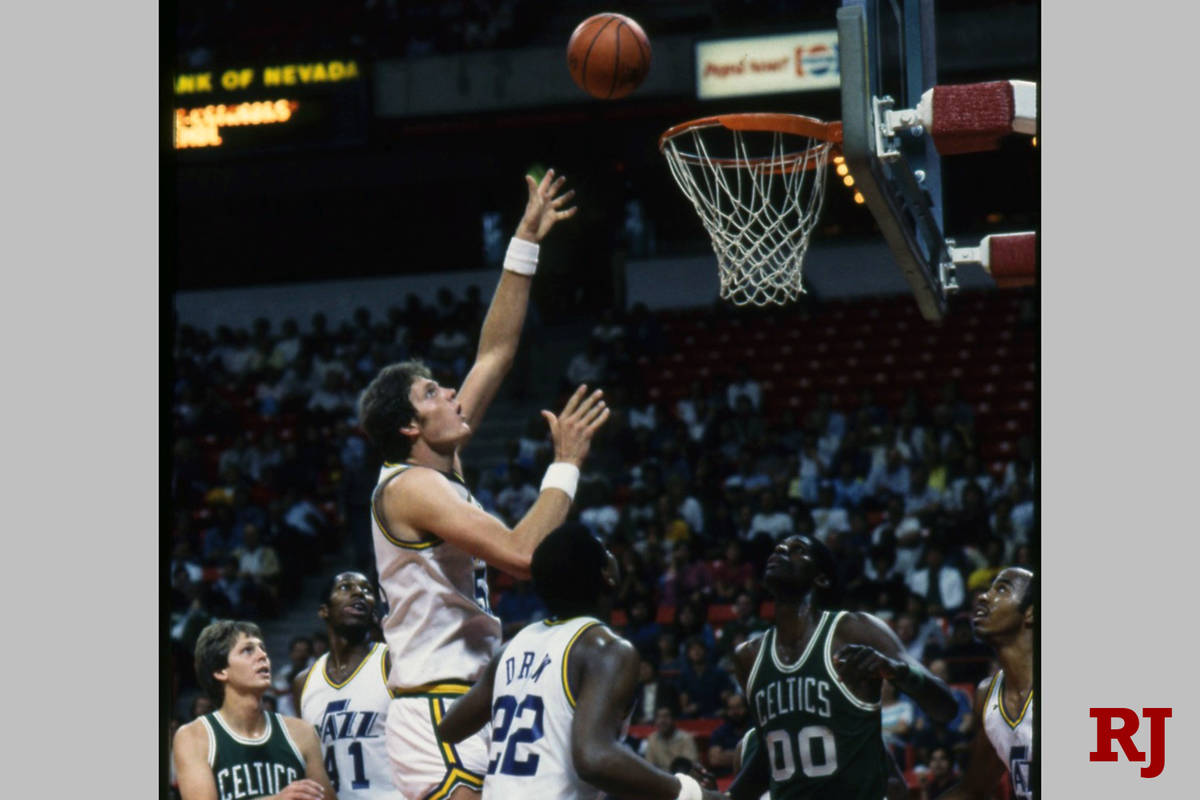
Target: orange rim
[(794, 124)]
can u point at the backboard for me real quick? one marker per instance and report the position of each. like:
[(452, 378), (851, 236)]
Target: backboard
[(887, 57)]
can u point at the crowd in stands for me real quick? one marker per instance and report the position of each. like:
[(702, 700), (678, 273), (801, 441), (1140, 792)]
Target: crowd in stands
[(270, 475)]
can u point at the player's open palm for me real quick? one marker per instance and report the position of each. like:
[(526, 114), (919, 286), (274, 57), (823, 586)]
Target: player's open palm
[(573, 429), (545, 206), (303, 789)]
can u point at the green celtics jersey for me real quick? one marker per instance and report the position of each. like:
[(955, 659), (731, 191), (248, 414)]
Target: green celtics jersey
[(246, 768), (822, 742)]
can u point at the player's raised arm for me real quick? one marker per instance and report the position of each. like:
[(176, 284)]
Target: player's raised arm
[(425, 501), (608, 668), (473, 710), (501, 332), (875, 652)]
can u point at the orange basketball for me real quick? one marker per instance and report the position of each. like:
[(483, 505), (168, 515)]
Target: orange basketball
[(608, 55)]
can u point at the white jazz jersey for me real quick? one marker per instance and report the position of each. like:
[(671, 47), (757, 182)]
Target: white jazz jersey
[(350, 718), (439, 624), (532, 712), (1012, 738)]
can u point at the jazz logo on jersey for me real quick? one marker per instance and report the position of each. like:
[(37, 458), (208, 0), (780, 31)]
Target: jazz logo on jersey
[(338, 722), (1107, 733)]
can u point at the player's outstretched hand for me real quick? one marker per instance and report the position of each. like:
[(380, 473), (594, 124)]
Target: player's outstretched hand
[(859, 662), (303, 789), (545, 206), (703, 776), (572, 430)]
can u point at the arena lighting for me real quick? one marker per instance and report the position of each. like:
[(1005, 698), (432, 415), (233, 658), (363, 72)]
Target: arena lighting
[(848, 180), (842, 169), (858, 198)]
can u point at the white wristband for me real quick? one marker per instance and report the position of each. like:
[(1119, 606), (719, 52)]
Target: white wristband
[(521, 257), (689, 789), (561, 475)]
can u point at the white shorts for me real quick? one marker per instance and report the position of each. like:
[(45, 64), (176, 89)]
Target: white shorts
[(424, 767)]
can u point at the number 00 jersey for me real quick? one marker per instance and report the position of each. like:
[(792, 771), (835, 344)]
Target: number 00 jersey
[(532, 712), (439, 626), (350, 718), (1013, 739), (821, 740)]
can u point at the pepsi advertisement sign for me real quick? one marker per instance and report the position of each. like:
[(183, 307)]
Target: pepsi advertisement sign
[(767, 64)]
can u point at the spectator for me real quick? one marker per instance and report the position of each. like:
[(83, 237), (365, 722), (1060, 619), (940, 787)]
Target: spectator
[(686, 576), (668, 742), (745, 623), (827, 516), (258, 568), (890, 475), (897, 715), (849, 490), (770, 519), (731, 574), (968, 660), (953, 734), (941, 584), (300, 657), (940, 776), (723, 744), (516, 498), (703, 685), (588, 366), (653, 693), (518, 607), (744, 386)]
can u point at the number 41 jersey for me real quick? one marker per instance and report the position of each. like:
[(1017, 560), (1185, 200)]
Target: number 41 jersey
[(821, 740), (532, 712), (350, 718)]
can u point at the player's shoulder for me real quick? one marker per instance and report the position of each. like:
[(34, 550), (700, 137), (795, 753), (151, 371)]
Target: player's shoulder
[(599, 639), (860, 626), (983, 687), (302, 732), (191, 736)]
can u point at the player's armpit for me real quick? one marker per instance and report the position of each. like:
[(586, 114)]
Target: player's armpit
[(190, 752), (743, 660), (472, 711)]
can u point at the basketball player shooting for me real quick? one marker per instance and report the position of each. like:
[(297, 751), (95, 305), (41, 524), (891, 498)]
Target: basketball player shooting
[(813, 684), (433, 540), (1004, 619), (559, 694)]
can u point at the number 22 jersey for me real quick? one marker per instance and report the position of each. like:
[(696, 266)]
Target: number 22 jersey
[(532, 713)]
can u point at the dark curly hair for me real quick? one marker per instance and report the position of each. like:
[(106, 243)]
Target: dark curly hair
[(568, 571), (384, 408)]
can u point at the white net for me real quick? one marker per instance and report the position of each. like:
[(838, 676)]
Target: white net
[(759, 195)]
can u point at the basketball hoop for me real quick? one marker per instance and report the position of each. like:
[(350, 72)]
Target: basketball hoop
[(757, 181)]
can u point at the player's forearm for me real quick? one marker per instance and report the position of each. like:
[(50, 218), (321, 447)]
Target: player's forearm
[(930, 692), (501, 332), (617, 771), (547, 513)]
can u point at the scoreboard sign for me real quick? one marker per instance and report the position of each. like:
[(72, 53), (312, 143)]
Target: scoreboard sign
[(274, 106)]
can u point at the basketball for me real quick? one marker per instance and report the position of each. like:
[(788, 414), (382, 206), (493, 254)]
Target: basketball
[(608, 56)]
